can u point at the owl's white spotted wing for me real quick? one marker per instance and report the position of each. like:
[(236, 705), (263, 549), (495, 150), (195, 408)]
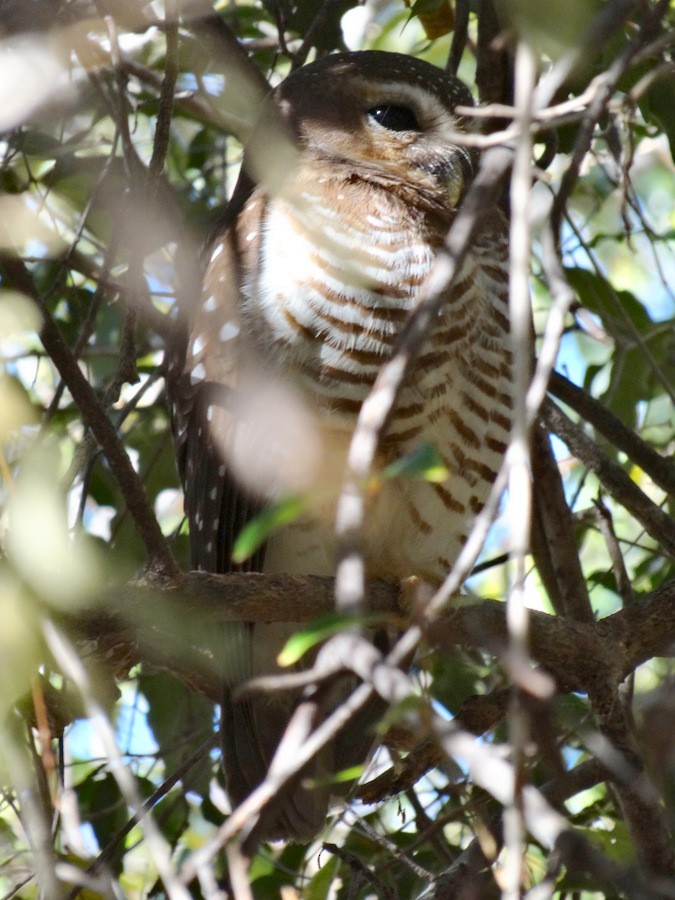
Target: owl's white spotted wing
[(217, 506), (205, 367)]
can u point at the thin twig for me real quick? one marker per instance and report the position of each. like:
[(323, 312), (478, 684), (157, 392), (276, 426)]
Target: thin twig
[(623, 584), (459, 36), (33, 814), (639, 803), (361, 872), (518, 457), (553, 544), (160, 144), (314, 30)]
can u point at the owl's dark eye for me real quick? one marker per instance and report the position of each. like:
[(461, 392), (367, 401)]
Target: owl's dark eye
[(395, 118)]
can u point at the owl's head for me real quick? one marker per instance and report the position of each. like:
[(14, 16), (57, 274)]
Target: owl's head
[(386, 116)]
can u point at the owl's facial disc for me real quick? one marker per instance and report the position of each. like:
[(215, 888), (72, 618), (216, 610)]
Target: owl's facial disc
[(384, 118)]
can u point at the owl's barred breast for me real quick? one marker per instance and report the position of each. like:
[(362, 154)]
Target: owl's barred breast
[(325, 301)]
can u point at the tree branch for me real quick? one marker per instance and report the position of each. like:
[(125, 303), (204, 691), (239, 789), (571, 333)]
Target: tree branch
[(180, 627), (554, 548)]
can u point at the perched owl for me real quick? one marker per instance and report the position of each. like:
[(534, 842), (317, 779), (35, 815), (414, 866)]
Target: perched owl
[(307, 286)]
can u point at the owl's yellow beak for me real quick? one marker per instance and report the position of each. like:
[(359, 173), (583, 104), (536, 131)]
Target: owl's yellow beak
[(454, 186)]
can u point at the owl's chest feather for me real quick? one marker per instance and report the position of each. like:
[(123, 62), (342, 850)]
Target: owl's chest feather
[(325, 303), (331, 285)]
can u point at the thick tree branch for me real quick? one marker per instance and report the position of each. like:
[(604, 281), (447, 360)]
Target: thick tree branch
[(180, 627), (638, 801)]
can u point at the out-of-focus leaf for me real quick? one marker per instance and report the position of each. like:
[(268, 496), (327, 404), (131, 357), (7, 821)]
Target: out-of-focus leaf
[(639, 372), (551, 28), (269, 877), (612, 839), (256, 532), (85, 893), (62, 571), (22, 225), (30, 75), (21, 649), (571, 709), (424, 462), (210, 812), (16, 409), (157, 461), (320, 883), (172, 814), (436, 16), (613, 306), (40, 144), (103, 488), (200, 149), (398, 711), (455, 677), (326, 626), (302, 13), (644, 358)]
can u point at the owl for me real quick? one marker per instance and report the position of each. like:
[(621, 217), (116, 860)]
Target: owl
[(319, 261)]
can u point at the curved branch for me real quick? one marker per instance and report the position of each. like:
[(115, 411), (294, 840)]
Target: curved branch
[(181, 626)]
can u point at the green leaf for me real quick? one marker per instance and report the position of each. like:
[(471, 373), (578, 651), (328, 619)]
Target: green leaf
[(617, 309), (302, 641), (551, 28), (424, 462), (271, 877), (40, 144), (256, 532), (657, 106), (103, 807), (425, 7), (180, 720), (172, 815), (320, 883), (200, 149), (398, 711)]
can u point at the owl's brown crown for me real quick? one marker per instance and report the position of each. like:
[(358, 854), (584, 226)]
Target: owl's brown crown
[(343, 90), (342, 73)]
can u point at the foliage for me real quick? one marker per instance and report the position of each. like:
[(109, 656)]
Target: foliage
[(121, 142)]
